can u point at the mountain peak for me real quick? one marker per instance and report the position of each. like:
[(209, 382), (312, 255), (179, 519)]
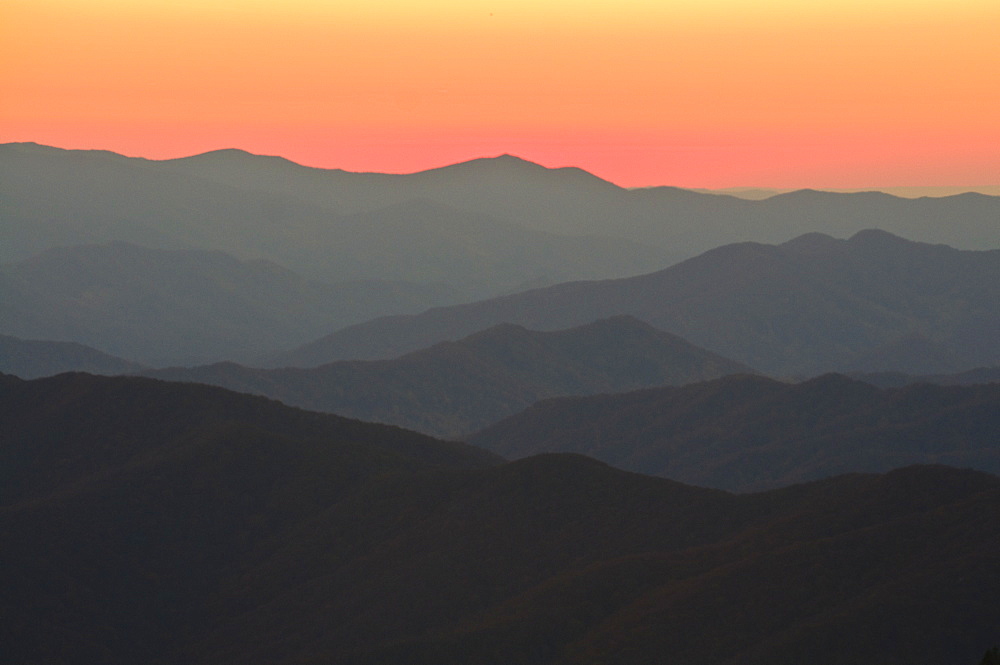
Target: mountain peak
[(811, 242), (878, 237)]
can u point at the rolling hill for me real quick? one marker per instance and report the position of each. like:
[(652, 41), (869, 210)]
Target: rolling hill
[(456, 387), (183, 306), (192, 525), (32, 359), (875, 302), (746, 433)]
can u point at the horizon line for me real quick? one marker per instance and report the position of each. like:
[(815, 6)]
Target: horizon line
[(758, 191)]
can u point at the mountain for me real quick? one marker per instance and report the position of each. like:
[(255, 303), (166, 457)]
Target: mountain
[(572, 201), (265, 207), (898, 379), (192, 525), (874, 302), (746, 433), (268, 208), (181, 306), (31, 359), (457, 387)]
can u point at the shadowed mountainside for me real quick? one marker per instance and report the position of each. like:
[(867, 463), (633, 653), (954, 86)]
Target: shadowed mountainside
[(746, 433), (456, 387), (814, 304), (898, 379), (247, 532), (31, 359), (184, 306)]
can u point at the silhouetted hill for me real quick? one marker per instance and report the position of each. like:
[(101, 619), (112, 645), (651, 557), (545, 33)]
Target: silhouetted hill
[(157, 522), (811, 305), (749, 433), (457, 387), (31, 359), (183, 306)]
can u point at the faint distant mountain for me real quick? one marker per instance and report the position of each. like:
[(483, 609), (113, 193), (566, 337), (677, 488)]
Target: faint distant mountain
[(521, 220), (875, 302), (163, 306), (456, 387), (31, 359), (749, 193), (145, 521), (571, 201), (750, 433), (898, 379), (268, 208)]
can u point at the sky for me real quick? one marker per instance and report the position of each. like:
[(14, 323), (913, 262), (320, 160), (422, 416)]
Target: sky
[(714, 93)]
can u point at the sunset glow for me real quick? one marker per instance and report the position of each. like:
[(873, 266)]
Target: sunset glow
[(715, 94)]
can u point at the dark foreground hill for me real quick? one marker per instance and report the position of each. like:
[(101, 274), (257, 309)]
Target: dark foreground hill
[(454, 388), (875, 302), (154, 522), (898, 379), (746, 433)]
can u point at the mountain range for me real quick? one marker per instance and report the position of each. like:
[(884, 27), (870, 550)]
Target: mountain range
[(874, 302), (263, 208), (184, 306), (456, 387), (486, 226), (747, 433), (188, 524)]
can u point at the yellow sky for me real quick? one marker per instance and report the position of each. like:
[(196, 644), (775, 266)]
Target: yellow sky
[(721, 92)]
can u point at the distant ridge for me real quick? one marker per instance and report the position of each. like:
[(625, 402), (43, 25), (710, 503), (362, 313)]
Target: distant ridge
[(811, 305), (456, 387), (161, 306), (32, 359), (565, 201), (748, 433)]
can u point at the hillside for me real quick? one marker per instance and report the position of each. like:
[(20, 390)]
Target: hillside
[(746, 433), (184, 306), (32, 359), (874, 302), (246, 532), (898, 379), (456, 387)]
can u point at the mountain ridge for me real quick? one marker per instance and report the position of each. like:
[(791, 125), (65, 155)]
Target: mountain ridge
[(453, 388), (748, 433), (804, 307)]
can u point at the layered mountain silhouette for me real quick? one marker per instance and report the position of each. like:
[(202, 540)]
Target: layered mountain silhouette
[(875, 302), (31, 359), (521, 222), (745, 433), (263, 208), (456, 387), (146, 521), (899, 379), (183, 306)]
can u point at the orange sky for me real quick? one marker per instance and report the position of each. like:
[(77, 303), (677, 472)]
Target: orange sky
[(712, 94)]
